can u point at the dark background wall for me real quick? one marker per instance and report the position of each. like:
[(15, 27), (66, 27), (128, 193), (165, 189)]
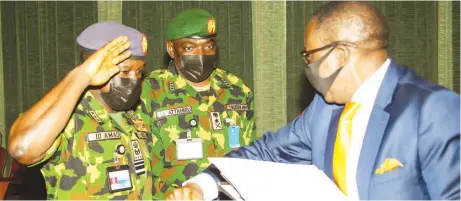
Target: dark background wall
[(38, 47)]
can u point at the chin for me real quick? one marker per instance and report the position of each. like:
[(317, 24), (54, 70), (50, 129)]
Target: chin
[(331, 99)]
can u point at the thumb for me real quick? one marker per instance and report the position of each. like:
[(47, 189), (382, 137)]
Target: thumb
[(114, 70)]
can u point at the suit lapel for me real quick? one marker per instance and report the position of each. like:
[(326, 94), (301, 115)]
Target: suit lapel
[(376, 130), (371, 144)]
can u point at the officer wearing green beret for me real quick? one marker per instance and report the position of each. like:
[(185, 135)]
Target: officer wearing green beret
[(90, 144), (196, 109)]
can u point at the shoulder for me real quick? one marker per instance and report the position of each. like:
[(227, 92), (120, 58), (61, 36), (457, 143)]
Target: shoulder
[(433, 102), (159, 73), (416, 89), (233, 80), (155, 78)]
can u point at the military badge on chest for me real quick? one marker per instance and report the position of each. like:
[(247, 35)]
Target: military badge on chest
[(215, 119), (138, 158)]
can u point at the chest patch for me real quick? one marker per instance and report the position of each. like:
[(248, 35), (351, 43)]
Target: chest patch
[(98, 136), (174, 111), (237, 107)]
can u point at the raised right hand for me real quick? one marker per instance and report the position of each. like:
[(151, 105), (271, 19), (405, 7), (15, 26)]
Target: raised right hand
[(102, 64)]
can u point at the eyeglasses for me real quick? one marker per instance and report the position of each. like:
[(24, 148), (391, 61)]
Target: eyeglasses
[(307, 54)]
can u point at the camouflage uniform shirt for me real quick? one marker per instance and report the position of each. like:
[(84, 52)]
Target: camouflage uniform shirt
[(169, 104), (75, 165)]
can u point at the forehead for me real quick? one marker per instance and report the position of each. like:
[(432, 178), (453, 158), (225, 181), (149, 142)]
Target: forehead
[(195, 40), (132, 63), (311, 38)]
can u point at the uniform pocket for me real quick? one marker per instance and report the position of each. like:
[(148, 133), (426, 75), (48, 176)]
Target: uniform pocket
[(100, 151)]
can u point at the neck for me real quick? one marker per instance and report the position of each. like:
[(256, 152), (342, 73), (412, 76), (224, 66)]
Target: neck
[(368, 65), (199, 84), (363, 69), (97, 94)]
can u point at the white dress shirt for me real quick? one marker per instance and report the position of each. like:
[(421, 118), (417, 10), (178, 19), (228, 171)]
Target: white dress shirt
[(366, 96)]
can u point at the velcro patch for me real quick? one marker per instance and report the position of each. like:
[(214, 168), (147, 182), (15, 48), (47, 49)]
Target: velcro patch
[(141, 135), (237, 107), (174, 111), (94, 116), (98, 136)]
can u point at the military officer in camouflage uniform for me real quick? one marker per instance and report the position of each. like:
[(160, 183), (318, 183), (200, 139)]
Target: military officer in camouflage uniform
[(100, 149), (196, 109)]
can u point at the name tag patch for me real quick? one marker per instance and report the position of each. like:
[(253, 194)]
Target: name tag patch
[(237, 107), (98, 136), (137, 157), (174, 111)]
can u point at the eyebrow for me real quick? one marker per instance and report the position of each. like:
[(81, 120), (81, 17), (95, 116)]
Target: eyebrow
[(124, 67)]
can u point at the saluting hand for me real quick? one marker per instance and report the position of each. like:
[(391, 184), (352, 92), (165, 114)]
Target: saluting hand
[(102, 64), (189, 192)]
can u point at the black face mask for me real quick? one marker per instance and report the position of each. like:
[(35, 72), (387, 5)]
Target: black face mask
[(197, 68), (124, 93), (322, 85)]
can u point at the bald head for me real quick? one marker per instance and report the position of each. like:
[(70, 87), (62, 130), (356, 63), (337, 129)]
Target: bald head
[(356, 22)]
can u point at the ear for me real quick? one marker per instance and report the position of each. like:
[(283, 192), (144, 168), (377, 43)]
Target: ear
[(170, 49), (342, 55)]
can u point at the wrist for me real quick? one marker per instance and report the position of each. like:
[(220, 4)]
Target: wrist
[(81, 76)]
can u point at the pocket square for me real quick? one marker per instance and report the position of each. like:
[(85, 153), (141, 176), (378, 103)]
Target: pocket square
[(388, 165)]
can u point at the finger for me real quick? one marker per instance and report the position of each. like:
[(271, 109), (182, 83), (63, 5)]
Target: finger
[(114, 70), (114, 42), (121, 57), (182, 194), (117, 50), (195, 195), (106, 49), (169, 197)]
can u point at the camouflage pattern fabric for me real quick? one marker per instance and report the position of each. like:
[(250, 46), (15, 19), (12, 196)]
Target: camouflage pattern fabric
[(75, 165), (169, 104)]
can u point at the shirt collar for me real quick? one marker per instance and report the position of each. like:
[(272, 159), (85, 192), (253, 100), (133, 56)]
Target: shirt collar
[(94, 109), (366, 94)]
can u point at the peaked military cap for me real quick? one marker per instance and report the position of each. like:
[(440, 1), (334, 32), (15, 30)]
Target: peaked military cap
[(98, 34), (191, 23)]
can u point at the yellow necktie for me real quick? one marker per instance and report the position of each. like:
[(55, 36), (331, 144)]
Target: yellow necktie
[(342, 144)]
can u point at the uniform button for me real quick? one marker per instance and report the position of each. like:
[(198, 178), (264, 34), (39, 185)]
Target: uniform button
[(121, 149), (193, 123)]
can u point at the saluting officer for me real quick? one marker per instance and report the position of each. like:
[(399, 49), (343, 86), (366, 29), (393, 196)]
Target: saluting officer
[(100, 149)]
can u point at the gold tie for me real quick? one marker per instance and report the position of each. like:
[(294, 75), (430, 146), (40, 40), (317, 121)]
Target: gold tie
[(342, 144)]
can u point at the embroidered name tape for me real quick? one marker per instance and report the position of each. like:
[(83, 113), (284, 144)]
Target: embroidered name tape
[(237, 107), (175, 111), (91, 137)]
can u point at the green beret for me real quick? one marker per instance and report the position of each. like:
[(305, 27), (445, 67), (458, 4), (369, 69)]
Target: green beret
[(193, 22)]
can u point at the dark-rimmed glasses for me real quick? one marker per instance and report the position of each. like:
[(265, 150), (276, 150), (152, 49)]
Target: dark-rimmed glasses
[(307, 54)]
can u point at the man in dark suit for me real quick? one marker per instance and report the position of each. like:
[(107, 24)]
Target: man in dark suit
[(375, 128)]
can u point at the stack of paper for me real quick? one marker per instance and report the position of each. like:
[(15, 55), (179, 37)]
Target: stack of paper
[(262, 180)]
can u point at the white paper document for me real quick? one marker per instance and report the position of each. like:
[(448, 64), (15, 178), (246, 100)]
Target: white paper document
[(262, 180)]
